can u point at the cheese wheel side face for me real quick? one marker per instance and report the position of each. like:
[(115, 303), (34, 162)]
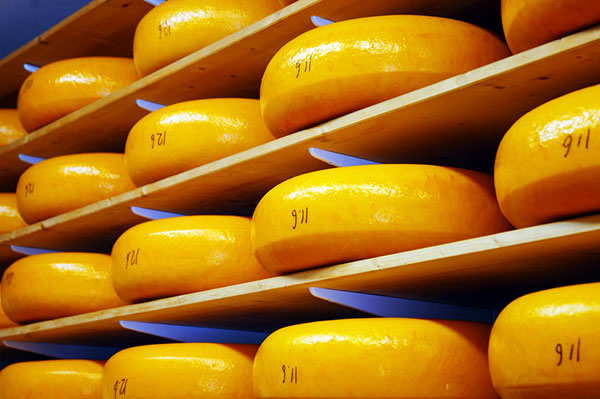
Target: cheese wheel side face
[(181, 255), (339, 68), (53, 285), (545, 345), (345, 214), (375, 358), (187, 370), (61, 184), (531, 23), (183, 136), (11, 128), (10, 218), (178, 28), (5, 322), (52, 379), (62, 87), (547, 166)]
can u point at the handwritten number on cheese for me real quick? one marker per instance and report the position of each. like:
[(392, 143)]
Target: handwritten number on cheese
[(29, 189), (120, 387), (570, 352), (581, 141), (164, 30), (304, 65), (9, 277), (293, 374), (159, 139), (131, 259), (300, 217), (28, 84)]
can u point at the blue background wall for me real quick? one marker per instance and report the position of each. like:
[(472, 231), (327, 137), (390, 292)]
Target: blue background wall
[(23, 20)]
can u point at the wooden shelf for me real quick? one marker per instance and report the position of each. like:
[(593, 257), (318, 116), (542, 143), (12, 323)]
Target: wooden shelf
[(231, 67), (102, 28), (485, 271), (459, 122)]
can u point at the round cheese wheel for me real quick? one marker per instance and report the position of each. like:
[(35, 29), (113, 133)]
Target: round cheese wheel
[(52, 379), (10, 218), (375, 358), (530, 23), (11, 128), (181, 255), (545, 345), (5, 322), (52, 285), (173, 371), (61, 184), (345, 66), (177, 28), (344, 214), (548, 163), (62, 87), (189, 134)]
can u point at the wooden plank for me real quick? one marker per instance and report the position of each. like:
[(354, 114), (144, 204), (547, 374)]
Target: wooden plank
[(458, 121), (231, 67), (102, 28), (485, 271)]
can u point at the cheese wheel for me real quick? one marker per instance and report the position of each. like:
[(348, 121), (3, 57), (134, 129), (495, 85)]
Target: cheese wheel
[(52, 379), (181, 255), (52, 285), (61, 184), (5, 322), (375, 358), (530, 23), (344, 214), (177, 28), (548, 163), (10, 218), (345, 66), (189, 134), (62, 87), (545, 345), (173, 371), (11, 128)]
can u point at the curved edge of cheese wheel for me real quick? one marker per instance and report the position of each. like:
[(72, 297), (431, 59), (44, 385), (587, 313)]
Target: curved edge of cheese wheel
[(185, 254), (11, 128), (375, 358), (558, 363), (10, 218), (83, 179), (343, 67), (52, 379), (5, 322), (181, 370), (53, 285), (64, 86), (531, 23), (346, 214)]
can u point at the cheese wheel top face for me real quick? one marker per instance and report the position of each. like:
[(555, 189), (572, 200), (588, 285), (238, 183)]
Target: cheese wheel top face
[(52, 379), (545, 345), (345, 214), (53, 285), (62, 87), (548, 163), (181, 255), (342, 67), (185, 370), (10, 218), (531, 23), (5, 322), (183, 136), (61, 184), (11, 128), (375, 358), (177, 28)]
